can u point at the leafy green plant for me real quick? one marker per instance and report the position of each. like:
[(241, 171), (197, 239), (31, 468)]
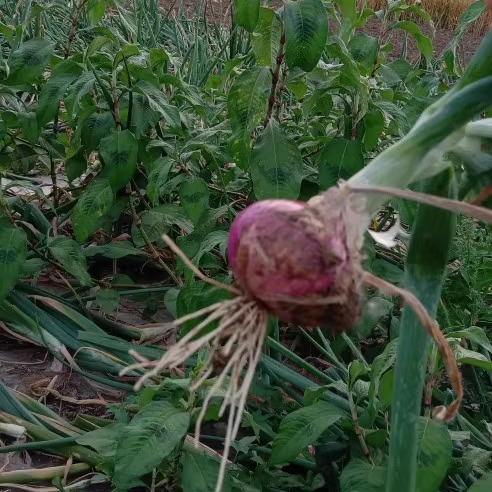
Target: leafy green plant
[(146, 122)]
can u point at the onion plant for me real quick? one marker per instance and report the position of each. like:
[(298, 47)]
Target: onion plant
[(301, 262)]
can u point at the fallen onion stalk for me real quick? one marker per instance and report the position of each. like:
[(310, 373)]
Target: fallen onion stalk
[(301, 262)]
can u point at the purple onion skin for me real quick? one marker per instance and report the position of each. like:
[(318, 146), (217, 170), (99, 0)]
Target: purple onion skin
[(281, 253)]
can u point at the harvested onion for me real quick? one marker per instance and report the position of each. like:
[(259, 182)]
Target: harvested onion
[(300, 262), (295, 260)]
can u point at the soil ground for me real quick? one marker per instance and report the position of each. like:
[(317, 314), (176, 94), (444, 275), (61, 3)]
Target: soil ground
[(219, 11)]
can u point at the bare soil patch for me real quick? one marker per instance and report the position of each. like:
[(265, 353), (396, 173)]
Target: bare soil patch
[(219, 11)]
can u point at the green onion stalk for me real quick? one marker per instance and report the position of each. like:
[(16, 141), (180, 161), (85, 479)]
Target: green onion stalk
[(302, 263)]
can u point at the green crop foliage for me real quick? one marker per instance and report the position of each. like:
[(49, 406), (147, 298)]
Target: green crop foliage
[(123, 121)]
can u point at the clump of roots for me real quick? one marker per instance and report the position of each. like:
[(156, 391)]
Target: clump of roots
[(234, 349)]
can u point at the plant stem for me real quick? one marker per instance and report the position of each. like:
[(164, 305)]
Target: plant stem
[(299, 361), (116, 102), (275, 79), (157, 256), (73, 28), (40, 433), (424, 271), (42, 474), (53, 181), (357, 428), (327, 353), (355, 351), (431, 381), (25, 446)]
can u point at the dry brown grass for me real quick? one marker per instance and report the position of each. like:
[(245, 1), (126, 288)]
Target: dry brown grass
[(445, 13)]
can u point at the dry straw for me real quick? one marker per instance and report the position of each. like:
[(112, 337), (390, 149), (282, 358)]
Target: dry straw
[(444, 13)]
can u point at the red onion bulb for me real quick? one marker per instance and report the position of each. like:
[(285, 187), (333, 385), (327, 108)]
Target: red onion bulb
[(295, 260)]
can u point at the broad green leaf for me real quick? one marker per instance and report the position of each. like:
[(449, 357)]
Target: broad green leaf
[(157, 221), (108, 299), (379, 366), (298, 88), (340, 159), (476, 459), (474, 334), (246, 13), (276, 164), (8, 32), (191, 243), (95, 128), (196, 296), (119, 153), (170, 300), (364, 50), (396, 114), (247, 98), (301, 428), (114, 250), (158, 178), (199, 473), (482, 485), (373, 128), (64, 74), (266, 38), (211, 241), (350, 69), (356, 371), (348, 8), (28, 61), (126, 51), (387, 271), (69, 253), (362, 476), (157, 58), (194, 196), (434, 455), (413, 10), (143, 117), (241, 147), (423, 42), (158, 102), (91, 208), (247, 107), (29, 126), (103, 440), (153, 434), (96, 44), (469, 16), (434, 458), (32, 266), (385, 390), (22, 159), (13, 254), (472, 358), (306, 32), (402, 68), (96, 10), (75, 92), (76, 165)]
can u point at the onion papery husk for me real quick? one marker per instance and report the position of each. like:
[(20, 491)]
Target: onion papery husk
[(301, 261)]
